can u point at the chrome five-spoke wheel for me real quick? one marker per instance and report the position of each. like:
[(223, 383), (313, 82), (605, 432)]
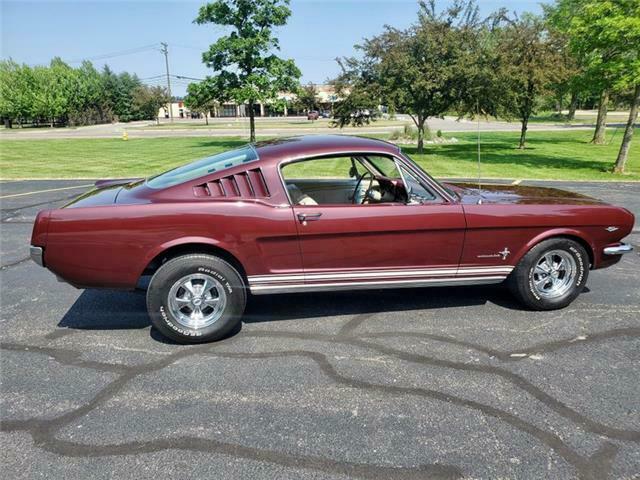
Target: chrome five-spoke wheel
[(554, 273), (197, 300)]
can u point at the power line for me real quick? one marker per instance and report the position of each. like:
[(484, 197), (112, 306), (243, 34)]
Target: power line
[(119, 53)]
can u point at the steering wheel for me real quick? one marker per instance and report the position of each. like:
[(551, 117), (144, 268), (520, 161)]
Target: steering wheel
[(355, 190)]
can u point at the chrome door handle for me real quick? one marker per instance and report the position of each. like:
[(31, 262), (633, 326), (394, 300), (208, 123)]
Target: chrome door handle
[(308, 217)]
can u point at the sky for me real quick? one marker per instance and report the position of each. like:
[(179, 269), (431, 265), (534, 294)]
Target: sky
[(127, 34)]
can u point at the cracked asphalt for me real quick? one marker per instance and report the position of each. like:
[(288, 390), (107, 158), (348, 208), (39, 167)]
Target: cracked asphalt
[(393, 384)]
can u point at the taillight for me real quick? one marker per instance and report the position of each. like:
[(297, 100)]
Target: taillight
[(40, 228)]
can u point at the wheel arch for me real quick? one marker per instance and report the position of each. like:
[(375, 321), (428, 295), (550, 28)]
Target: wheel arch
[(191, 246), (571, 234)]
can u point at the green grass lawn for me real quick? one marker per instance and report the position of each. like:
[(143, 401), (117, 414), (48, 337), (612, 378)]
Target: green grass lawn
[(550, 155)]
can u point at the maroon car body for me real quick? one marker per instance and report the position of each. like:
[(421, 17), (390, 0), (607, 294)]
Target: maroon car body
[(123, 229), (108, 237)]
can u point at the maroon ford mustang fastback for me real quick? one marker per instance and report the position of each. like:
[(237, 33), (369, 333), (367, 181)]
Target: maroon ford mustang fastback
[(319, 213)]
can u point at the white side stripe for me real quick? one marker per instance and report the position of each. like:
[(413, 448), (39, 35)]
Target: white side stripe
[(387, 284), (410, 273)]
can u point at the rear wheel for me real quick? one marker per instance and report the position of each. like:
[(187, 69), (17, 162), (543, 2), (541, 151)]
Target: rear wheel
[(196, 298), (551, 275)]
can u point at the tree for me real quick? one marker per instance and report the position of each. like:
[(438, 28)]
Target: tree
[(308, 97), (606, 35), (418, 71), (530, 60), (17, 88), (148, 101), (201, 98), (246, 69)]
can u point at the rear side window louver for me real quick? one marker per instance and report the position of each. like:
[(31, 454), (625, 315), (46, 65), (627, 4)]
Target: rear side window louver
[(249, 184)]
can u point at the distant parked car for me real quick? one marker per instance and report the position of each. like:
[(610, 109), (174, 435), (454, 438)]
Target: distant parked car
[(313, 115), (325, 114), (319, 213)]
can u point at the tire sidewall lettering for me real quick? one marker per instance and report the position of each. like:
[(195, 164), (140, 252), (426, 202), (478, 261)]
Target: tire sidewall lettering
[(217, 275), (580, 266), (173, 326)]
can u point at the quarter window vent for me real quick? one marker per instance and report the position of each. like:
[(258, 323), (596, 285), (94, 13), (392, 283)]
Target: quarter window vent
[(249, 184)]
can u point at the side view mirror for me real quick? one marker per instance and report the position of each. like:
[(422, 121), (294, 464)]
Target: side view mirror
[(353, 171)]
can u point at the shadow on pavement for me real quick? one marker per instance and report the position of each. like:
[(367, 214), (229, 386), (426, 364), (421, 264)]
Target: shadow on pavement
[(117, 310)]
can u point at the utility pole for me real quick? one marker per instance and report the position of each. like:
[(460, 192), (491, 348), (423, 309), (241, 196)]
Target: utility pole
[(165, 51)]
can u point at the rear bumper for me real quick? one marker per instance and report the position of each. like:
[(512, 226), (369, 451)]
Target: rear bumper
[(37, 255), (617, 249)]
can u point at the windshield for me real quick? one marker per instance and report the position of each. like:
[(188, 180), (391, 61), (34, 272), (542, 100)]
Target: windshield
[(205, 166)]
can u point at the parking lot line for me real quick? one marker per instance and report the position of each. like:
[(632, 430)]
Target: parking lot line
[(45, 191)]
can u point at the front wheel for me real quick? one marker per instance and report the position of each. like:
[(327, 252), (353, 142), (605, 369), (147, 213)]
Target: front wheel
[(196, 298), (551, 275)]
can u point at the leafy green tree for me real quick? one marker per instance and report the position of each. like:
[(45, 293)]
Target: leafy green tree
[(201, 97), (605, 35), (52, 86), (419, 71), (529, 62), (147, 101), (16, 92), (307, 97), (247, 69)]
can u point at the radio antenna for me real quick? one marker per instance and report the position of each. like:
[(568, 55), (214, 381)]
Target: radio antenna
[(478, 122)]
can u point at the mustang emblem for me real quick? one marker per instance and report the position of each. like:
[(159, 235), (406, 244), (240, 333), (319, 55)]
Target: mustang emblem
[(503, 254), (611, 229)]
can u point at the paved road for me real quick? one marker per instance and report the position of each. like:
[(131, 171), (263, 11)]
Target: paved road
[(406, 384), (222, 127)]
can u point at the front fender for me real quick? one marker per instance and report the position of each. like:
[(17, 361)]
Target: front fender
[(558, 232)]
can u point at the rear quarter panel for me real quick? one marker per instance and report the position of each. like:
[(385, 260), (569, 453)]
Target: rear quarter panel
[(110, 246)]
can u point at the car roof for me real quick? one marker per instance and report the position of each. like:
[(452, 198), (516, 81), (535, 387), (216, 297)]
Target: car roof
[(319, 145)]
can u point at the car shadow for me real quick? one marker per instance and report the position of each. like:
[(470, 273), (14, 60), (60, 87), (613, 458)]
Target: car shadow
[(117, 310)]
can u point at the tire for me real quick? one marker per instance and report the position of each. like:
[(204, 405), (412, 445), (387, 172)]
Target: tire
[(551, 275), (196, 298)]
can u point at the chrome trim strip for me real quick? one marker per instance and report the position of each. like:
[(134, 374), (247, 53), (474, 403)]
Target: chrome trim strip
[(36, 254), (379, 274), (318, 287), (618, 249)]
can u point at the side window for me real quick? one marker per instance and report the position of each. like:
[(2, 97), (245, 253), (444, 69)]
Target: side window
[(322, 168), (325, 181), (385, 165)]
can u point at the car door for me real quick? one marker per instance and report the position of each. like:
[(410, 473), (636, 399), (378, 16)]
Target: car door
[(404, 244)]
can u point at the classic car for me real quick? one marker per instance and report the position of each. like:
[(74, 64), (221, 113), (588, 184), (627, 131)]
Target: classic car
[(317, 213)]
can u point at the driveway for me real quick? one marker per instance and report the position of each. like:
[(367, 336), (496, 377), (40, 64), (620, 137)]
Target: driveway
[(233, 127), (393, 384)]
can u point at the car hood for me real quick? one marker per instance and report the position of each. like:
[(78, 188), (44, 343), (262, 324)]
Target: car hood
[(518, 194)]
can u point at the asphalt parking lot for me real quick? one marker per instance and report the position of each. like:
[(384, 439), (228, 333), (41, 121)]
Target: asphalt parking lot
[(394, 384)]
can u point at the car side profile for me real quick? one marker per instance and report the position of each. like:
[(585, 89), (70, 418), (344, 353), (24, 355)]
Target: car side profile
[(319, 213)]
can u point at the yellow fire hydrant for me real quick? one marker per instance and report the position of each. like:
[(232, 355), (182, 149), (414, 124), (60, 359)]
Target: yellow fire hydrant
[(125, 136)]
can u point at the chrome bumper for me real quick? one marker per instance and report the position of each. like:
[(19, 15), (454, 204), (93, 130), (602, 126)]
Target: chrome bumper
[(618, 249), (36, 255)]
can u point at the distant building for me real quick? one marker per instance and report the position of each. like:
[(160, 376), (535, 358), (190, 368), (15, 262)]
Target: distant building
[(326, 98)]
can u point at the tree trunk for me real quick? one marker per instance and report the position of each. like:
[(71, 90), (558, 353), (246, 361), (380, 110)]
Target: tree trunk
[(206, 118), (523, 131), (420, 125), (252, 123), (601, 122), (573, 105), (628, 133)]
